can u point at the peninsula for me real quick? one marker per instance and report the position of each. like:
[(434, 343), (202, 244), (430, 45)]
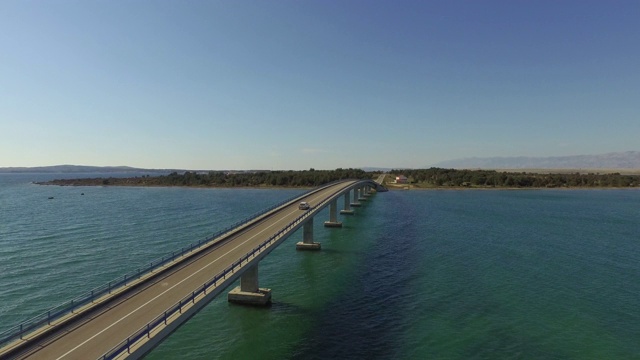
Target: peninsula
[(290, 178), (433, 178)]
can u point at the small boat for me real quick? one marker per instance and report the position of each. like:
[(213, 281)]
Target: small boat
[(50, 197)]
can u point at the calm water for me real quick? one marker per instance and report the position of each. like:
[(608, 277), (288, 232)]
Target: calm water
[(534, 274)]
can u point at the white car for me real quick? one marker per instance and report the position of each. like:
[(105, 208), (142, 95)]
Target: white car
[(304, 206)]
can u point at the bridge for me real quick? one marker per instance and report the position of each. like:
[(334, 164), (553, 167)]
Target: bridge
[(127, 318)]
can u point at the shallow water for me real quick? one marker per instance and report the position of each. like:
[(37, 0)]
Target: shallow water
[(414, 274)]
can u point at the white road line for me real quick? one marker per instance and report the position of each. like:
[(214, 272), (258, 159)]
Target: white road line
[(171, 288)]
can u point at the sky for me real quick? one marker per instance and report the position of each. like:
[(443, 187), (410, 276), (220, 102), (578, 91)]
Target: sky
[(324, 84)]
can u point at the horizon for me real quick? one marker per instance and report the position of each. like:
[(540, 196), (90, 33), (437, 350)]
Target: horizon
[(290, 85), (445, 164)]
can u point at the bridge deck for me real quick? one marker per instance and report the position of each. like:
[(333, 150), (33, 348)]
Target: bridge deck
[(111, 321)]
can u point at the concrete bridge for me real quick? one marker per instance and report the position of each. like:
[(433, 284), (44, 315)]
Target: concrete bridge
[(129, 317)]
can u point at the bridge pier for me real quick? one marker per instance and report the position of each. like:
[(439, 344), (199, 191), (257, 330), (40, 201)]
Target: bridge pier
[(333, 215), (248, 293), (356, 196), (239, 267), (363, 192), (347, 209), (307, 237)]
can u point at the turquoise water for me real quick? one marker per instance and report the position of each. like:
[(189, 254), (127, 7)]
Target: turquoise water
[(533, 274)]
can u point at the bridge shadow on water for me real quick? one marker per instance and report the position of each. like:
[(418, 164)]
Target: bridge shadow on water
[(289, 308), (274, 307), (367, 316), (330, 251)]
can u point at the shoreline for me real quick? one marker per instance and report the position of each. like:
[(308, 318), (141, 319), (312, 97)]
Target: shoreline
[(516, 188), (390, 188), (420, 179), (469, 188), (266, 187)]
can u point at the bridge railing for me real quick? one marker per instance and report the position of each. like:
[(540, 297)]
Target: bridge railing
[(146, 330), (163, 318), (57, 312)]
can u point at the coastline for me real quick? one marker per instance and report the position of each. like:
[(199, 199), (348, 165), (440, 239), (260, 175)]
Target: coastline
[(444, 188), (417, 179), (388, 186), (471, 188), (258, 187)]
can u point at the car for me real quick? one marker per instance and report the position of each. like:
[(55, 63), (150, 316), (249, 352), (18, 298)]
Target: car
[(304, 206)]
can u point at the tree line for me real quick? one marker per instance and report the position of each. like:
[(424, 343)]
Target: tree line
[(428, 178), (288, 178), (438, 177)]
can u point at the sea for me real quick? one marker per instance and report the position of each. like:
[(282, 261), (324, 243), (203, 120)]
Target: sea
[(437, 274)]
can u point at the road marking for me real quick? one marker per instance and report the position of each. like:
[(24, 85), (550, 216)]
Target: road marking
[(169, 289)]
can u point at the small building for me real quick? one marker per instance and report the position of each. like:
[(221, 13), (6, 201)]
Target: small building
[(401, 179)]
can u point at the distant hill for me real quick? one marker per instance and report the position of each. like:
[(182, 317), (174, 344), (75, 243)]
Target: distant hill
[(79, 169), (124, 169), (372, 169), (618, 160)]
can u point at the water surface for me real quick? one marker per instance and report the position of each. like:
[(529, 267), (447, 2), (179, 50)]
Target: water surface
[(531, 274)]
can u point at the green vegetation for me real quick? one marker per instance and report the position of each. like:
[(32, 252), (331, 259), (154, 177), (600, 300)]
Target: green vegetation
[(418, 178), (307, 178), (436, 178)]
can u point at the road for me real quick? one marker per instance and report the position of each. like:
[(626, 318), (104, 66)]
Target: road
[(111, 321)]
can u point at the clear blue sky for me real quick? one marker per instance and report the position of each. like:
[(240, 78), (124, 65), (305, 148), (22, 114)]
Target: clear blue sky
[(322, 84)]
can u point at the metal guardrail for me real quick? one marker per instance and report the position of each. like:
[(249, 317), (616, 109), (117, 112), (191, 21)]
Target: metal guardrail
[(55, 313), (146, 330)]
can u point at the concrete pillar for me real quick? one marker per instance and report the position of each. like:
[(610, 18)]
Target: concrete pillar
[(249, 280), (248, 293), (362, 198), (307, 237), (333, 215), (367, 191), (356, 196), (347, 209)]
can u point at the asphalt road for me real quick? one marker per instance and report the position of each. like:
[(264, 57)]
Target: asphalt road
[(113, 321)]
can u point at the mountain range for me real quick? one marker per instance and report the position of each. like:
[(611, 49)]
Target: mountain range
[(79, 169), (616, 160), (609, 161)]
